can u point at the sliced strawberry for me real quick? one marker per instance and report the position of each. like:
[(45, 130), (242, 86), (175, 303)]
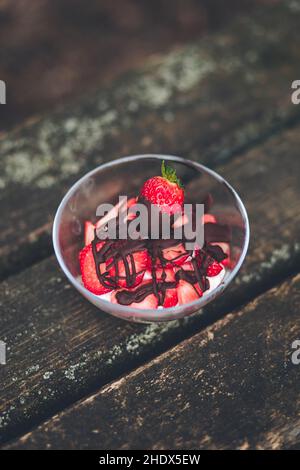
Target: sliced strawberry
[(187, 266), (187, 292), (88, 270), (149, 302), (131, 202), (170, 298), (165, 275), (136, 264), (130, 206), (176, 255), (147, 275), (89, 232), (114, 212), (209, 219), (214, 269), (181, 220)]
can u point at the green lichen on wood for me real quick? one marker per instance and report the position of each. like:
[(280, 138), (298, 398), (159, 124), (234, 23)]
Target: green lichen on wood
[(59, 146)]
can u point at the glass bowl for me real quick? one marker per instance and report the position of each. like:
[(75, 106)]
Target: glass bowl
[(125, 176)]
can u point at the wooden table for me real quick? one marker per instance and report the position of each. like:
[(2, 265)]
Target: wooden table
[(79, 378)]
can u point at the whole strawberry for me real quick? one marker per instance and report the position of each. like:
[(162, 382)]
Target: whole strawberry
[(165, 191)]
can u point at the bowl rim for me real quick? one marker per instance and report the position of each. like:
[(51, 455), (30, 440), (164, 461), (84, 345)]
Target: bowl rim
[(151, 315)]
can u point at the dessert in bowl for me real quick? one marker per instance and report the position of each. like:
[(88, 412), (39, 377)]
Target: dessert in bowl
[(160, 273)]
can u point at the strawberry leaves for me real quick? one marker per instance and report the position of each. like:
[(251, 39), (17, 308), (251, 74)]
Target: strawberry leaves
[(170, 174)]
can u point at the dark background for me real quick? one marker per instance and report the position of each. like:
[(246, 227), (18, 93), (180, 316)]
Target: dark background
[(54, 50)]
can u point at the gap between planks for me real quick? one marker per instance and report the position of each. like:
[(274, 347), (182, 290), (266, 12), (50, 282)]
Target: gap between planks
[(206, 101), (231, 386)]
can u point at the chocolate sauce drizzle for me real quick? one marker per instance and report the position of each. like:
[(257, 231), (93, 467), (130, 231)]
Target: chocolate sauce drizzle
[(109, 254)]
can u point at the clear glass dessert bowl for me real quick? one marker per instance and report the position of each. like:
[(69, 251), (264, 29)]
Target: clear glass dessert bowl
[(125, 176)]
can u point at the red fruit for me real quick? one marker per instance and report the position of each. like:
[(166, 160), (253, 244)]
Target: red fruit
[(147, 275), (187, 292), (170, 297), (176, 255), (136, 264), (166, 275), (88, 270), (150, 302), (214, 269), (115, 211), (112, 214), (130, 205), (181, 220), (164, 191), (89, 232), (209, 219), (187, 266), (131, 202)]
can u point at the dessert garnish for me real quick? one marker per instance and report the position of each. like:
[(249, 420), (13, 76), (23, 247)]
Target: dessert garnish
[(165, 191), (152, 273)]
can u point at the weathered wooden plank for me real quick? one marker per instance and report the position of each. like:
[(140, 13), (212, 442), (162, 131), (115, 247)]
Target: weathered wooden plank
[(231, 386), (206, 101), (30, 37), (62, 348)]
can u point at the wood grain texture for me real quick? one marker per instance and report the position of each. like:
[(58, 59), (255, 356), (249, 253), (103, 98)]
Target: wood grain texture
[(206, 101), (55, 52), (62, 348), (231, 386)]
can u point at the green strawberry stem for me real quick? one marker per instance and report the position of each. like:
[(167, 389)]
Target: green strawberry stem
[(170, 174)]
